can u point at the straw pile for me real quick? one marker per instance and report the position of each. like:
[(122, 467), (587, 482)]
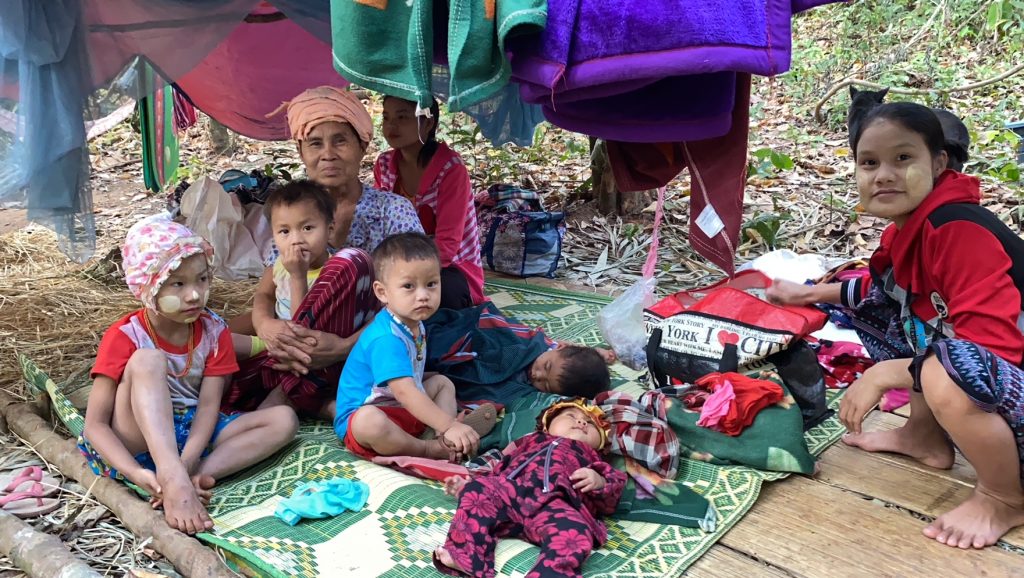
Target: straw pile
[(55, 311)]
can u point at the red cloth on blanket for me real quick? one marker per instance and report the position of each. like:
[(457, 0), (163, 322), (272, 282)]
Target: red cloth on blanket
[(339, 302), (752, 395), (427, 468)]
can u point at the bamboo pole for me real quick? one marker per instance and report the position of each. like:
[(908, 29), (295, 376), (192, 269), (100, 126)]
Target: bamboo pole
[(39, 555), (188, 555)]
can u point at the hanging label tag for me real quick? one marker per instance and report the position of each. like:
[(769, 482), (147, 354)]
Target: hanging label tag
[(709, 222)]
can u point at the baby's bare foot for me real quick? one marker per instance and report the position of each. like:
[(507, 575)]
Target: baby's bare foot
[(444, 557)]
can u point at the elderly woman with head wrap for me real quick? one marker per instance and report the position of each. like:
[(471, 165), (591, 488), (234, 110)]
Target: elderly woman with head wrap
[(304, 356)]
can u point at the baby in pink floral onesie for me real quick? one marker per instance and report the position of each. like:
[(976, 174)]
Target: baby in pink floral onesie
[(549, 489)]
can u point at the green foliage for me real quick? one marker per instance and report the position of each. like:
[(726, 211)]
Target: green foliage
[(508, 163), (1005, 17), (193, 168), (765, 227), (933, 45), (1001, 162), (280, 169), (766, 162)]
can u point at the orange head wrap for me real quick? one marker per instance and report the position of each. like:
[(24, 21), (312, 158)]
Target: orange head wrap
[(325, 104)]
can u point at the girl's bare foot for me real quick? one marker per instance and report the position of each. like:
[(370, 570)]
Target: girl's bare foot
[(183, 507), (979, 521), (444, 557), (931, 448), (203, 485)]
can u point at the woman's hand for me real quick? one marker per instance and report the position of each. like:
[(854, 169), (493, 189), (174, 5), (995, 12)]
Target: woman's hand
[(864, 394), (290, 347), (323, 349), (782, 292)]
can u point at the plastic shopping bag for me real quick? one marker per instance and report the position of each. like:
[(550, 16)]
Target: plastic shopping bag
[(622, 323), (217, 217)]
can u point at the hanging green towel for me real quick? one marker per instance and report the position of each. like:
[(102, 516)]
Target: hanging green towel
[(385, 45), (476, 44), (388, 46), (159, 142)]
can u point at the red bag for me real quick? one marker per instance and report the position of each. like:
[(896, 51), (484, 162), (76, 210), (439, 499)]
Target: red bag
[(727, 327), (753, 282)]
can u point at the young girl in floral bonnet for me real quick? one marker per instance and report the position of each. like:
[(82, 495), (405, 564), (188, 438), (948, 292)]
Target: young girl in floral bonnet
[(158, 379)]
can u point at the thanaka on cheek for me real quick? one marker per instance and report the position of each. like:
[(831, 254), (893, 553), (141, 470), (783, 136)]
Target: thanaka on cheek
[(169, 304), (918, 183)]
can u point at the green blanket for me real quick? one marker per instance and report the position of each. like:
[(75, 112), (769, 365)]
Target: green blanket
[(405, 518), (402, 36)]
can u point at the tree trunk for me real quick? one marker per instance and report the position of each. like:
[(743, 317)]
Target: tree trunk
[(37, 554), (602, 180), (609, 198), (220, 138)]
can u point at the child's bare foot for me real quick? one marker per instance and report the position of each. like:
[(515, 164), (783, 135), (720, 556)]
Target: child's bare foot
[(978, 522), (445, 558), (439, 450), (183, 507), (929, 449), (203, 485)]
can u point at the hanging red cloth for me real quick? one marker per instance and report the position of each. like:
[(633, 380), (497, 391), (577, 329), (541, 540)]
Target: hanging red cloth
[(718, 175)]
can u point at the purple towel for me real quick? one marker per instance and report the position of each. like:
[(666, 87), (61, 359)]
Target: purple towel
[(698, 106), (625, 70)]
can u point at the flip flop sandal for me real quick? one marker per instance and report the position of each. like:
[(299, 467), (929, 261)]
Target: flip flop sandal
[(482, 419), (29, 504), (31, 474)]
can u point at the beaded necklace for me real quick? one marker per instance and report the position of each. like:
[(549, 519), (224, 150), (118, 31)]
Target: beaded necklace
[(191, 342)]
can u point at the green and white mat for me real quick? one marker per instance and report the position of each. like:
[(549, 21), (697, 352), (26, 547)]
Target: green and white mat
[(406, 518)]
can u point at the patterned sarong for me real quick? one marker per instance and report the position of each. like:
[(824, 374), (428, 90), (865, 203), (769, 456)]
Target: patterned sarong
[(991, 382), (340, 302)]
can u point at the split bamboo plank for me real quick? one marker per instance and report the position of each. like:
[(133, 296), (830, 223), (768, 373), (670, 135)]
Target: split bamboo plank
[(811, 529), (188, 555), (902, 411), (899, 480), (38, 554), (721, 562)]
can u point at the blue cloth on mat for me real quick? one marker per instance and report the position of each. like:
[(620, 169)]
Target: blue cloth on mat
[(322, 499)]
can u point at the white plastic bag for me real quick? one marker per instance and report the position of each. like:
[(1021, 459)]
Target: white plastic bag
[(217, 217), (622, 323)]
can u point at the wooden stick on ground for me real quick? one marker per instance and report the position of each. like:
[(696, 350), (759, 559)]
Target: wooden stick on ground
[(39, 555), (188, 555)]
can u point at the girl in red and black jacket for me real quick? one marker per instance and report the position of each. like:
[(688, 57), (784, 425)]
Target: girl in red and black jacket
[(941, 314)]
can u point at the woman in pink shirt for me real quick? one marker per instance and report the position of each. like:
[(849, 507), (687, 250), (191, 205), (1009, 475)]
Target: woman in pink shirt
[(433, 177)]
